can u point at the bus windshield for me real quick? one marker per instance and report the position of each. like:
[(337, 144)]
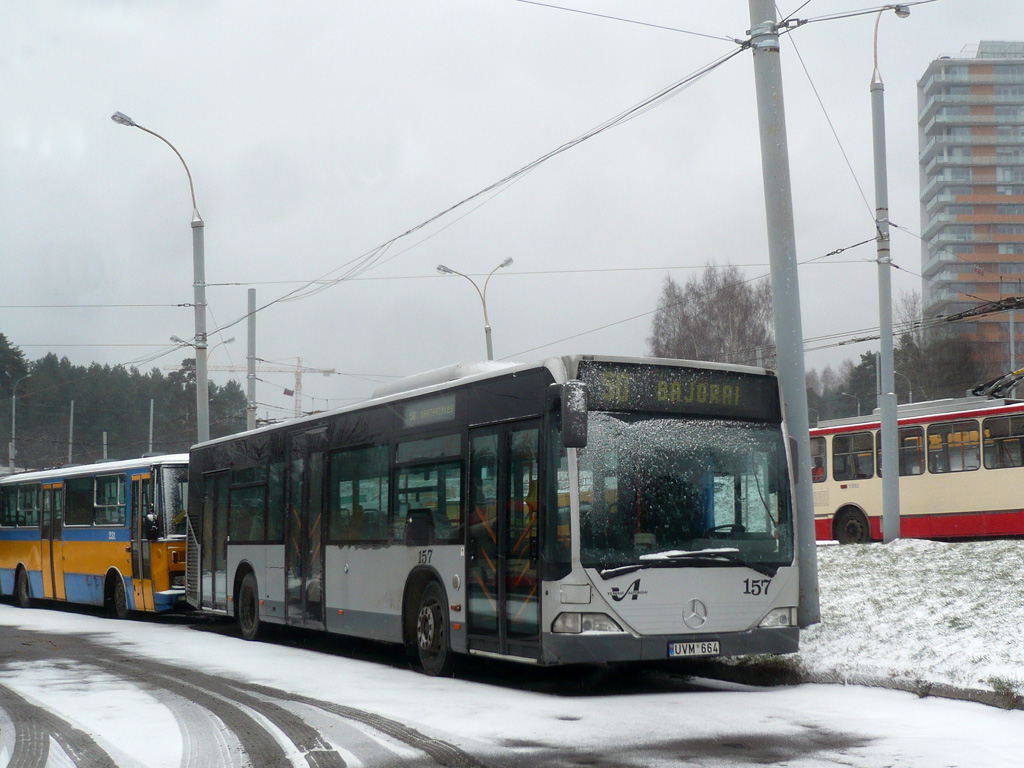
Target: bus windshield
[(683, 492), (174, 497)]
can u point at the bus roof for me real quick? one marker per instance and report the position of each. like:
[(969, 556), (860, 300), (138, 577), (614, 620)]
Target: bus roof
[(99, 468), (440, 379), (929, 410)]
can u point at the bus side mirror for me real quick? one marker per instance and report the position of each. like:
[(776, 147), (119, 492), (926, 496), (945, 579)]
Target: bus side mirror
[(574, 414)]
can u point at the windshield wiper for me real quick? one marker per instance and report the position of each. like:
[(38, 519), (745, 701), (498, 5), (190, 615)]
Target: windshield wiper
[(673, 556), (730, 554)]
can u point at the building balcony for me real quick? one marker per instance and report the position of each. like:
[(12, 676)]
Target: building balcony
[(928, 84), (970, 120)]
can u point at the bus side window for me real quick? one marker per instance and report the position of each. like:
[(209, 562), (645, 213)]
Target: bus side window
[(818, 457)]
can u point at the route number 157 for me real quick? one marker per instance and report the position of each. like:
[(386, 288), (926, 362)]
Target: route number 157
[(756, 586)]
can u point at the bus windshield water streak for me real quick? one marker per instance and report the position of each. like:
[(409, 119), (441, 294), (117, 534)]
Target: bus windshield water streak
[(582, 509), (109, 534), (961, 467)]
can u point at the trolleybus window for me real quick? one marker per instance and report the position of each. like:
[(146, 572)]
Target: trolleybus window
[(853, 456), (819, 460), (911, 451), (110, 500), (1004, 436), (953, 447)]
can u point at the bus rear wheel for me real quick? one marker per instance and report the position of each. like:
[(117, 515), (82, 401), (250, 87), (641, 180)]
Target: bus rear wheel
[(117, 599), (22, 597), (249, 608), (432, 641), (851, 527)]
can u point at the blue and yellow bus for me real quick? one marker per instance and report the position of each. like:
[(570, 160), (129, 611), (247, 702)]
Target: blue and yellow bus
[(109, 534)]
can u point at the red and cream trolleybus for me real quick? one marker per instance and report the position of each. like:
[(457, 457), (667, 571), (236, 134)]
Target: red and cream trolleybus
[(961, 465), (109, 534), (582, 509)]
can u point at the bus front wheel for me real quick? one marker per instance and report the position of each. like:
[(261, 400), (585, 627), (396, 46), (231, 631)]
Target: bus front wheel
[(22, 597), (249, 608), (851, 527), (432, 643)]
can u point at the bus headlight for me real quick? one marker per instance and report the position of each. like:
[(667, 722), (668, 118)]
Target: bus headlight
[(779, 617), (574, 623)]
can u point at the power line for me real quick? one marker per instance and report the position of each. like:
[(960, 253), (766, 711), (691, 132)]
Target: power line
[(628, 21)]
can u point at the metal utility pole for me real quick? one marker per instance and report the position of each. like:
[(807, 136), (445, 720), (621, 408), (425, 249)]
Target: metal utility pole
[(778, 198), (250, 376), (71, 431), (198, 287), (886, 377)]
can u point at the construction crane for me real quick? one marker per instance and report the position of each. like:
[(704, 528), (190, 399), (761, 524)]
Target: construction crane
[(262, 366)]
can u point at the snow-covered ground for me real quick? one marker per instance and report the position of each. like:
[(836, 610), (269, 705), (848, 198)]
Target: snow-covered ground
[(917, 613), (910, 611)]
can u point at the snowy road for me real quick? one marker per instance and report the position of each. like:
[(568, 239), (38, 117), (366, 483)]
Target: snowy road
[(77, 689)]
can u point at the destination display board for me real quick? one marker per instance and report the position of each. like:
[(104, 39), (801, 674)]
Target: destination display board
[(615, 386)]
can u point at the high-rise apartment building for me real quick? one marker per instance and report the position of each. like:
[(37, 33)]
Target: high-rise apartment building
[(971, 117)]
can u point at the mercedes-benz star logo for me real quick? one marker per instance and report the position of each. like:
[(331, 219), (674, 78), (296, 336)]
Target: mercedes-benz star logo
[(695, 614)]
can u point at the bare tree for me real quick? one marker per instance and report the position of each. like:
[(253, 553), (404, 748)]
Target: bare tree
[(718, 315)]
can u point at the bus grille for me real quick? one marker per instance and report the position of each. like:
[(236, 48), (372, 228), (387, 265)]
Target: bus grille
[(192, 595)]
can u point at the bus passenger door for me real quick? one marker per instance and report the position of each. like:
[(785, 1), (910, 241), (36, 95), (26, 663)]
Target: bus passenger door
[(57, 540), (51, 542), (502, 546), (142, 577), (304, 552)]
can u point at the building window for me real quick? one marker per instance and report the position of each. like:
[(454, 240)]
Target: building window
[(1010, 229), (1009, 174), (1007, 189), (1010, 210), (1006, 249)]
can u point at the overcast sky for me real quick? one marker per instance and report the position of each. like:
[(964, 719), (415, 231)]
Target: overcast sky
[(318, 131)]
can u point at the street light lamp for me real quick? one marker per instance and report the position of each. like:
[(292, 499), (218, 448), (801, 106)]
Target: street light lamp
[(847, 394), (12, 448), (910, 391), (483, 296), (887, 383), (198, 284)]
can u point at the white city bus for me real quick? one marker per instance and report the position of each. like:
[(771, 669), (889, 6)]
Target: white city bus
[(583, 509), (961, 466)]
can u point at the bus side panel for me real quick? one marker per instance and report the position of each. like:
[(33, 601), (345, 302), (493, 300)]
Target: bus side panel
[(88, 554), (366, 586), (20, 546)]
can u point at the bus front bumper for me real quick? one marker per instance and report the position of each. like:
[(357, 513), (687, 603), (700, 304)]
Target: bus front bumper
[(597, 647)]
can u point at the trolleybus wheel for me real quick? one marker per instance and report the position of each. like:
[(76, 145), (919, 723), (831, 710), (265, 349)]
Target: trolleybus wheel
[(117, 601), (21, 593), (852, 527), (432, 644), (249, 608)]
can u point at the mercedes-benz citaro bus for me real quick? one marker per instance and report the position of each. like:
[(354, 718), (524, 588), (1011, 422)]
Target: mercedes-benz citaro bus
[(582, 509), (110, 534)]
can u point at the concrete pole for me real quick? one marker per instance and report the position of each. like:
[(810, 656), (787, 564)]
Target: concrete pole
[(785, 289), (199, 285), (151, 412), (887, 379), (250, 376)]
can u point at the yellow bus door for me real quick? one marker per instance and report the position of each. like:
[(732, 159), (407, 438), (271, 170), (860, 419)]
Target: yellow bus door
[(52, 541), (142, 576)]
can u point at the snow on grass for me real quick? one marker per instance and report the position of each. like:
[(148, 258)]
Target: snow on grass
[(916, 612)]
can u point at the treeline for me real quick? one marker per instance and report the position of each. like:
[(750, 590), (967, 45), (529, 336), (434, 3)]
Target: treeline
[(107, 399)]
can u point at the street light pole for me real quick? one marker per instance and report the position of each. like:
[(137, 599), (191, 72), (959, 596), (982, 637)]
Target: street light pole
[(483, 296), (847, 394), (199, 290), (12, 448), (886, 379)]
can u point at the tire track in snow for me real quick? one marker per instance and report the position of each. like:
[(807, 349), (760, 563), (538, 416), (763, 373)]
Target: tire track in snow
[(34, 726)]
